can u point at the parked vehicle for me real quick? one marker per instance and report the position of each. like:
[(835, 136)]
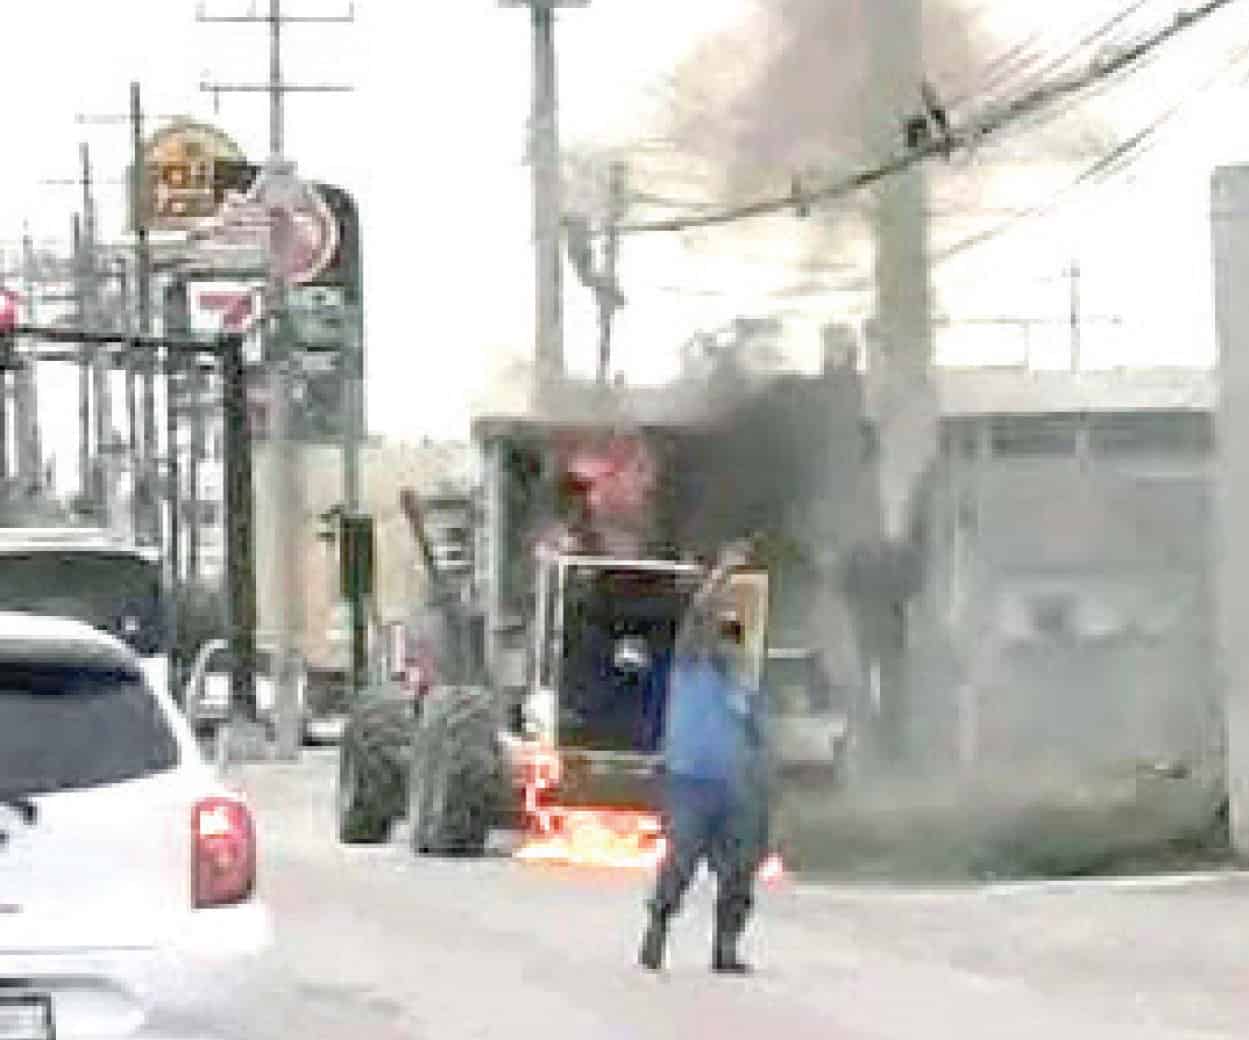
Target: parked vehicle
[(207, 695)]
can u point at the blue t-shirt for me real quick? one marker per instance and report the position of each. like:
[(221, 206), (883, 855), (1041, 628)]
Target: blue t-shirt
[(707, 735)]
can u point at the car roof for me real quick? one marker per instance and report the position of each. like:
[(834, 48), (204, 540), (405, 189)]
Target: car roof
[(40, 637)]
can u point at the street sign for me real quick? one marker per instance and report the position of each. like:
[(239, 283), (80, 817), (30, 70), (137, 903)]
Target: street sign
[(278, 208), (189, 167), (214, 307)]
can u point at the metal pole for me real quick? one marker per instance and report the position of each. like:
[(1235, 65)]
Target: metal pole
[(144, 518), (352, 435), (276, 125), (173, 473), (30, 464), (99, 369), (4, 425), (84, 372), (240, 558), (132, 418), (195, 405), (544, 150)]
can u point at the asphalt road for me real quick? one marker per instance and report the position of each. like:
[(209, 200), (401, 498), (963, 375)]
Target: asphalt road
[(373, 943)]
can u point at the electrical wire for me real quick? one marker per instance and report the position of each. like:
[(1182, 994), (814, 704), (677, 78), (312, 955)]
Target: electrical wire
[(991, 123)]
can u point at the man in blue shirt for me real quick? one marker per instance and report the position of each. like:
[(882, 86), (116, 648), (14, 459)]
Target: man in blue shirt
[(715, 766)]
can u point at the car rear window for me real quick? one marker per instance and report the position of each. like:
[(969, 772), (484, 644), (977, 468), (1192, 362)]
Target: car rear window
[(75, 726)]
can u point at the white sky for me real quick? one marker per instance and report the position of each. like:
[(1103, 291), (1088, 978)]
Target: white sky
[(432, 143)]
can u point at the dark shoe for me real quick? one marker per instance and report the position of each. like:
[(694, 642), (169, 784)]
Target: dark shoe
[(730, 923), (726, 962), (725, 959), (653, 942)]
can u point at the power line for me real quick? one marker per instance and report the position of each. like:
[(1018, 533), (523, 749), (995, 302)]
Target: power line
[(1114, 163), (1089, 37), (1029, 103)]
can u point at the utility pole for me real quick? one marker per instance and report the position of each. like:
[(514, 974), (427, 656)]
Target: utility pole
[(288, 532), (29, 460), (195, 406), (898, 373), (144, 506), (84, 371), (351, 497), (1229, 562), (98, 358), (174, 362), (240, 543), (547, 207)]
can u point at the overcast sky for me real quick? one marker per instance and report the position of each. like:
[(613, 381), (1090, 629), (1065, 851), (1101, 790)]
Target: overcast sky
[(432, 144)]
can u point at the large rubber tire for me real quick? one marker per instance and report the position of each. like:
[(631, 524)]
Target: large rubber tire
[(372, 773), (457, 781)]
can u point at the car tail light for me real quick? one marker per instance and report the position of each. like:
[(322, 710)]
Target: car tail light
[(223, 857)]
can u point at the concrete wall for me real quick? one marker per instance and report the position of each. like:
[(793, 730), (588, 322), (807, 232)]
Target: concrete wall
[(1077, 590)]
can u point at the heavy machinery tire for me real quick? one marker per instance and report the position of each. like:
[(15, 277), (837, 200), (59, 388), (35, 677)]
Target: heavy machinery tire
[(372, 770), (457, 780)]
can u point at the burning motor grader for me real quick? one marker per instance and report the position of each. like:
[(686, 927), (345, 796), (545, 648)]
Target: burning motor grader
[(552, 657)]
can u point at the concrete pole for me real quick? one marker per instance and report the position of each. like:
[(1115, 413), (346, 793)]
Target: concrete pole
[(547, 205), (898, 373), (903, 288), (288, 509), (1230, 561)]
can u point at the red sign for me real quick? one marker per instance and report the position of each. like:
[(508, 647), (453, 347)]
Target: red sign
[(8, 310)]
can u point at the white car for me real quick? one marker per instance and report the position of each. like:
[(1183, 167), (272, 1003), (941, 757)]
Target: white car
[(208, 688), (127, 870)]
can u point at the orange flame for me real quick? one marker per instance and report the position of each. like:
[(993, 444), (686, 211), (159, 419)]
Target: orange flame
[(595, 838)]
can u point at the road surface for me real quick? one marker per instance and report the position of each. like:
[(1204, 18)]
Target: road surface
[(373, 943)]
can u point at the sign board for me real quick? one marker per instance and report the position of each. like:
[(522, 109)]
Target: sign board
[(189, 169), (318, 315), (214, 307), (284, 217)]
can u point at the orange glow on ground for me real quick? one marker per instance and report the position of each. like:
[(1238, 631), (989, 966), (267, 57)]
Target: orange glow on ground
[(596, 838), (611, 840)]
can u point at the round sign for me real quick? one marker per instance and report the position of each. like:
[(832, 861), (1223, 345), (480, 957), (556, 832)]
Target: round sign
[(307, 237)]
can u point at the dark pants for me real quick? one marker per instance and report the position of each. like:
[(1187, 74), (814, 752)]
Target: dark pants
[(709, 820)]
